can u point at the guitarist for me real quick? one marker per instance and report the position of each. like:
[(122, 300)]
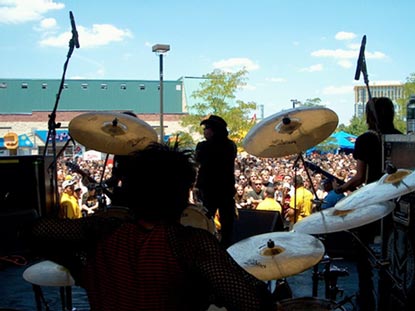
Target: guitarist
[(368, 153)]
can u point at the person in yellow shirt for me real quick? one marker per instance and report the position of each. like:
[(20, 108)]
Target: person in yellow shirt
[(269, 203), (301, 203), (69, 206)]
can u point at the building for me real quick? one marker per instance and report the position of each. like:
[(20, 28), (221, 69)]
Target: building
[(393, 90), (30, 107)]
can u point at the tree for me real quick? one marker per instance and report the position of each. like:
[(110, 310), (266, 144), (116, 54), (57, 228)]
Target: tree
[(216, 95), (357, 126), (313, 102)]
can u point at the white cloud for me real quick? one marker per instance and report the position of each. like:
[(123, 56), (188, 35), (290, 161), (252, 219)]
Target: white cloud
[(99, 35), (47, 23), (22, 11), (346, 54), (312, 68), (338, 90), (232, 64), (276, 80), (345, 63), (343, 35)]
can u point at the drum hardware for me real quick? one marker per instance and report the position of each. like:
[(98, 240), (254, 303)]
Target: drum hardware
[(330, 275)]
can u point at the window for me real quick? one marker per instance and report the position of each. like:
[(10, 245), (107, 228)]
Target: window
[(44, 86), (123, 86), (65, 86), (142, 87), (3, 85), (84, 86), (24, 85), (104, 86)]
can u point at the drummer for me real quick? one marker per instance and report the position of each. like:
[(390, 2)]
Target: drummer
[(151, 262), (368, 153)]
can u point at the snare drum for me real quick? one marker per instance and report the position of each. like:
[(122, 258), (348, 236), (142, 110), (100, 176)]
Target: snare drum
[(196, 216), (308, 304)]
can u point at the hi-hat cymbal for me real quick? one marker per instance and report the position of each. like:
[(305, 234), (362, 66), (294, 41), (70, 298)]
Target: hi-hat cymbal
[(389, 186), (333, 220), (290, 131), (277, 255), (113, 133), (48, 273)]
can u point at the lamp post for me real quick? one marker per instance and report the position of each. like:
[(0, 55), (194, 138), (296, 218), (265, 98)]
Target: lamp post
[(160, 49), (295, 102)]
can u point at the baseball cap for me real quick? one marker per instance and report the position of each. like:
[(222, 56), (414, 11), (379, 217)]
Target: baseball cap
[(68, 183)]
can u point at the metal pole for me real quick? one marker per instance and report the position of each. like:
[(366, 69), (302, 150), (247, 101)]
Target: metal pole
[(161, 100)]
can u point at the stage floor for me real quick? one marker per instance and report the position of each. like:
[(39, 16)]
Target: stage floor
[(16, 293)]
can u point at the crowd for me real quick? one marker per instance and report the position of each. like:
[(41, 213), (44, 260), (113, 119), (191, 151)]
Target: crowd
[(256, 179)]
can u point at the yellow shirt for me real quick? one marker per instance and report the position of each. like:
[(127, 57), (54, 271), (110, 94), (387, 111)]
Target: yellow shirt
[(304, 203), (69, 207), (269, 204)]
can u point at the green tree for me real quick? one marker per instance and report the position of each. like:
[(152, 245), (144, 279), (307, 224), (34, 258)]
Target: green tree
[(356, 127), (313, 102), (184, 139), (216, 95)]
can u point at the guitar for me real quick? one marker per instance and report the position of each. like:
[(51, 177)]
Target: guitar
[(316, 169)]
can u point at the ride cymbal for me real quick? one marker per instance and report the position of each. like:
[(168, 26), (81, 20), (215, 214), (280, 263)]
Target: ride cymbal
[(334, 220), (113, 133), (290, 131), (277, 255), (48, 273), (389, 186)]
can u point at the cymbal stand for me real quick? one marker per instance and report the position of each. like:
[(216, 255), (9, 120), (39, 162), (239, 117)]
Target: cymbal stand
[(52, 125), (316, 200)]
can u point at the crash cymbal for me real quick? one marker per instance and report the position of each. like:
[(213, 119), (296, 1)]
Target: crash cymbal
[(48, 273), (277, 255), (113, 133), (290, 132), (389, 186), (333, 220)]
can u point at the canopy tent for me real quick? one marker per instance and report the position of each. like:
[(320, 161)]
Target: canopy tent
[(337, 142)]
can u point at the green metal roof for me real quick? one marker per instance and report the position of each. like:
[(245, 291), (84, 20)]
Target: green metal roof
[(141, 96)]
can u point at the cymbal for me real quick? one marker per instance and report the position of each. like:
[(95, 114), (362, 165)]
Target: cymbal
[(277, 255), (113, 133), (389, 186), (333, 220), (48, 273), (290, 131)]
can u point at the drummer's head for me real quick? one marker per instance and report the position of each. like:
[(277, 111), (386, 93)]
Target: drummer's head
[(214, 126), (380, 113), (146, 168)]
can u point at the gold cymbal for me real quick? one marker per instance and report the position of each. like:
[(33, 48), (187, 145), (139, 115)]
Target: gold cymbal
[(389, 186), (290, 132), (113, 133), (334, 220), (277, 255)]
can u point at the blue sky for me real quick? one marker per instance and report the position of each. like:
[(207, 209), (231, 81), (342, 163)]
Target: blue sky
[(295, 49)]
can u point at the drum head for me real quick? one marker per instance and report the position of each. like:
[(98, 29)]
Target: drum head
[(195, 216)]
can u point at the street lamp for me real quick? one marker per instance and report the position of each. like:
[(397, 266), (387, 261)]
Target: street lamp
[(160, 49), (295, 102)]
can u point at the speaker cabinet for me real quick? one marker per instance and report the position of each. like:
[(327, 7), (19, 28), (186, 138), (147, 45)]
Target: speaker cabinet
[(23, 188)]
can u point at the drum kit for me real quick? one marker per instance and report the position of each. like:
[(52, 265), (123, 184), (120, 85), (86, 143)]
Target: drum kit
[(277, 255)]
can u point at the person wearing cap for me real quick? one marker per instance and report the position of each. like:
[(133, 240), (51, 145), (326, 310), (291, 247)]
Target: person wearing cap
[(69, 206), (216, 179)]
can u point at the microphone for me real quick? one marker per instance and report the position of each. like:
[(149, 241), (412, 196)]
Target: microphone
[(74, 32), (361, 62)]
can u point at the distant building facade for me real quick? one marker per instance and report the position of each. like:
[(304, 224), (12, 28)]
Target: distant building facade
[(393, 90), (27, 104)]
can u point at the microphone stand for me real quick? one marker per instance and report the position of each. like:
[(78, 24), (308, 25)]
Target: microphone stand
[(52, 126)]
